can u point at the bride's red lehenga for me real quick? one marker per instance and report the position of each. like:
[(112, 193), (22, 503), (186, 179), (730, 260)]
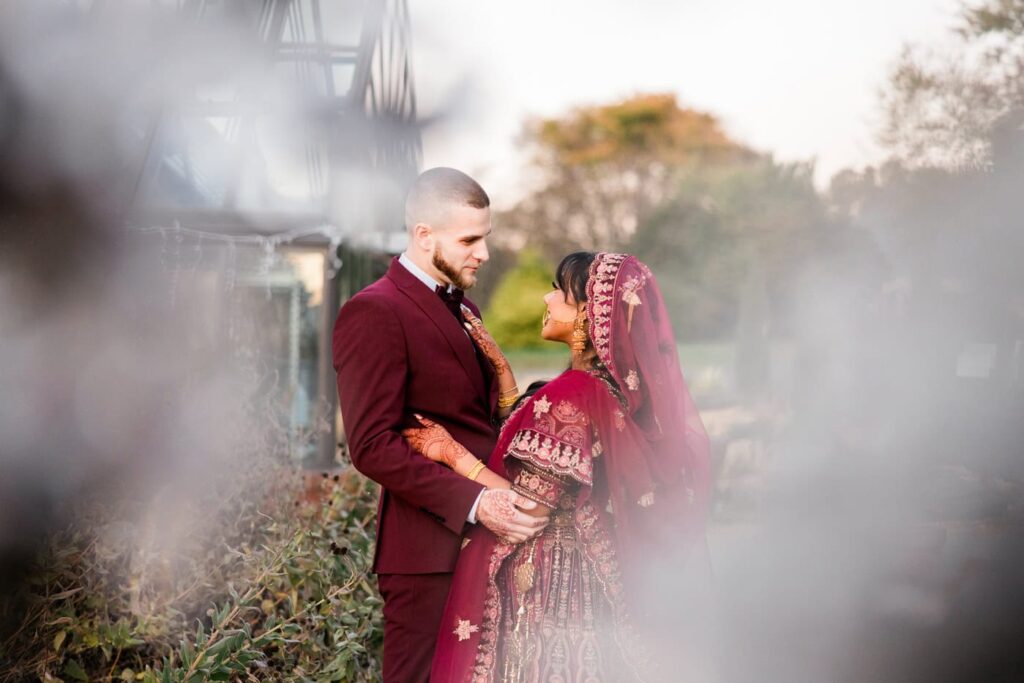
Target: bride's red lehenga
[(621, 456)]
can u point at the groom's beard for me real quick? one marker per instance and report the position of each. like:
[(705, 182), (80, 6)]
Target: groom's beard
[(450, 271)]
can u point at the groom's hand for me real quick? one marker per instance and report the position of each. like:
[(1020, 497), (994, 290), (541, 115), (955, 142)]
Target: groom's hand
[(501, 511)]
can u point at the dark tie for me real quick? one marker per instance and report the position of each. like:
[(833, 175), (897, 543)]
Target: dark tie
[(452, 299)]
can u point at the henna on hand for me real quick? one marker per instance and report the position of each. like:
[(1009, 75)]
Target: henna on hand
[(433, 441), (499, 511), (435, 447), (483, 339), (503, 509)]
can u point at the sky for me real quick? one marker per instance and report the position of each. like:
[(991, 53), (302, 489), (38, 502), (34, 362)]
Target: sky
[(796, 78)]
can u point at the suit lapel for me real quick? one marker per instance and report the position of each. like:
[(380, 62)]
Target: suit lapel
[(442, 318)]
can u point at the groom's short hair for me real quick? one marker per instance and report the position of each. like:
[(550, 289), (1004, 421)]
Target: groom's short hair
[(438, 189)]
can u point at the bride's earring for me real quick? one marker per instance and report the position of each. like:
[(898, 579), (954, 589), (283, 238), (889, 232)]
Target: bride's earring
[(579, 333)]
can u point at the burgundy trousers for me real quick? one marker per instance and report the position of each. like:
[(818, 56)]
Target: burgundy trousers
[(413, 605)]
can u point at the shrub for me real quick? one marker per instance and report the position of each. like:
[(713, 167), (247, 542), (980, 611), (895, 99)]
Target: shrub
[(281, 591), (516, 309)]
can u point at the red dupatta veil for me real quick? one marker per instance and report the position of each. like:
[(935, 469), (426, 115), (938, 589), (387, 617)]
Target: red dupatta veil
[(633, 337), (645, 446)]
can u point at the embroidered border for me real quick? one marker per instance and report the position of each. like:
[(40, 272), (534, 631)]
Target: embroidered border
[(538, 485), (552, 454), (508, 420), (602, 289), (600, 295), (486, 649), (599, 548)]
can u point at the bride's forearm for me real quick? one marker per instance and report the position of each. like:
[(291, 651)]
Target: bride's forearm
[(492, 480), (507, 390), (506, 379), (468, 465)]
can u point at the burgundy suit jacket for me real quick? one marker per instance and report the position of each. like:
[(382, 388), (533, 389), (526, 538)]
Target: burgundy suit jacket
[(398, 350)]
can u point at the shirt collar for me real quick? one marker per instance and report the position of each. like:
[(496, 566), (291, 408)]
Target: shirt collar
[(419, 273)]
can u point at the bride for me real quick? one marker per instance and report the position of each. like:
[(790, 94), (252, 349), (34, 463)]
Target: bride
[(614, 452)]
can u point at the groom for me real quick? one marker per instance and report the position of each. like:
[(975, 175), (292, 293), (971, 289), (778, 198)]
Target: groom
[(400, 349)]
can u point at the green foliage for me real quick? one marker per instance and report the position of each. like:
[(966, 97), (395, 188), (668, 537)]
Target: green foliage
[(720, 221), (516, 308), (289, 600), (648, 176)]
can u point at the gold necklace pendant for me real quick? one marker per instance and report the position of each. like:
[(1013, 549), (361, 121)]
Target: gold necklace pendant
[(524, 577), (525, 572), (521, 646)]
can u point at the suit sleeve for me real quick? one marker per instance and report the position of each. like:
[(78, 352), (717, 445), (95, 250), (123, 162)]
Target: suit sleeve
[(371, 360)]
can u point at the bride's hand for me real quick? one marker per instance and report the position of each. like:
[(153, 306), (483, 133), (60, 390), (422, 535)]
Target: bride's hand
[(484, 341), (433, 441)]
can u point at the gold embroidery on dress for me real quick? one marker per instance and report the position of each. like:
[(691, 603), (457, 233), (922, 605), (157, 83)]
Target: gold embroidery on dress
[(538, 485), (464, 629), (566, 411), (541, 406), (565, 422), (521, 649), (633, 380), (483, 665), (631, 298), (561, 612), (525, 573), (599, 548), (556, 455)]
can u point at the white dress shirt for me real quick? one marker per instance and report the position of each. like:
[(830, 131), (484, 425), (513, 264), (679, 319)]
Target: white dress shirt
[(433, 284), (420, 274)]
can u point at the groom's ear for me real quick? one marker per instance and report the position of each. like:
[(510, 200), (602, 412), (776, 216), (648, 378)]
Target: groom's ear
[(423, 236)]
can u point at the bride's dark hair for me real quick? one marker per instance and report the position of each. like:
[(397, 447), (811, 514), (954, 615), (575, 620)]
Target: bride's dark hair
[(573, 272)]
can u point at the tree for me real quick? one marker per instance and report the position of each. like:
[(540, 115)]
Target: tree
[(605, 169), (647, 176), (702, 243), (940, 108), (516, 309)]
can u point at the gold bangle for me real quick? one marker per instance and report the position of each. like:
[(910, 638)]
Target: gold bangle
[(475, 472), (507, 402), (514, 391)]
